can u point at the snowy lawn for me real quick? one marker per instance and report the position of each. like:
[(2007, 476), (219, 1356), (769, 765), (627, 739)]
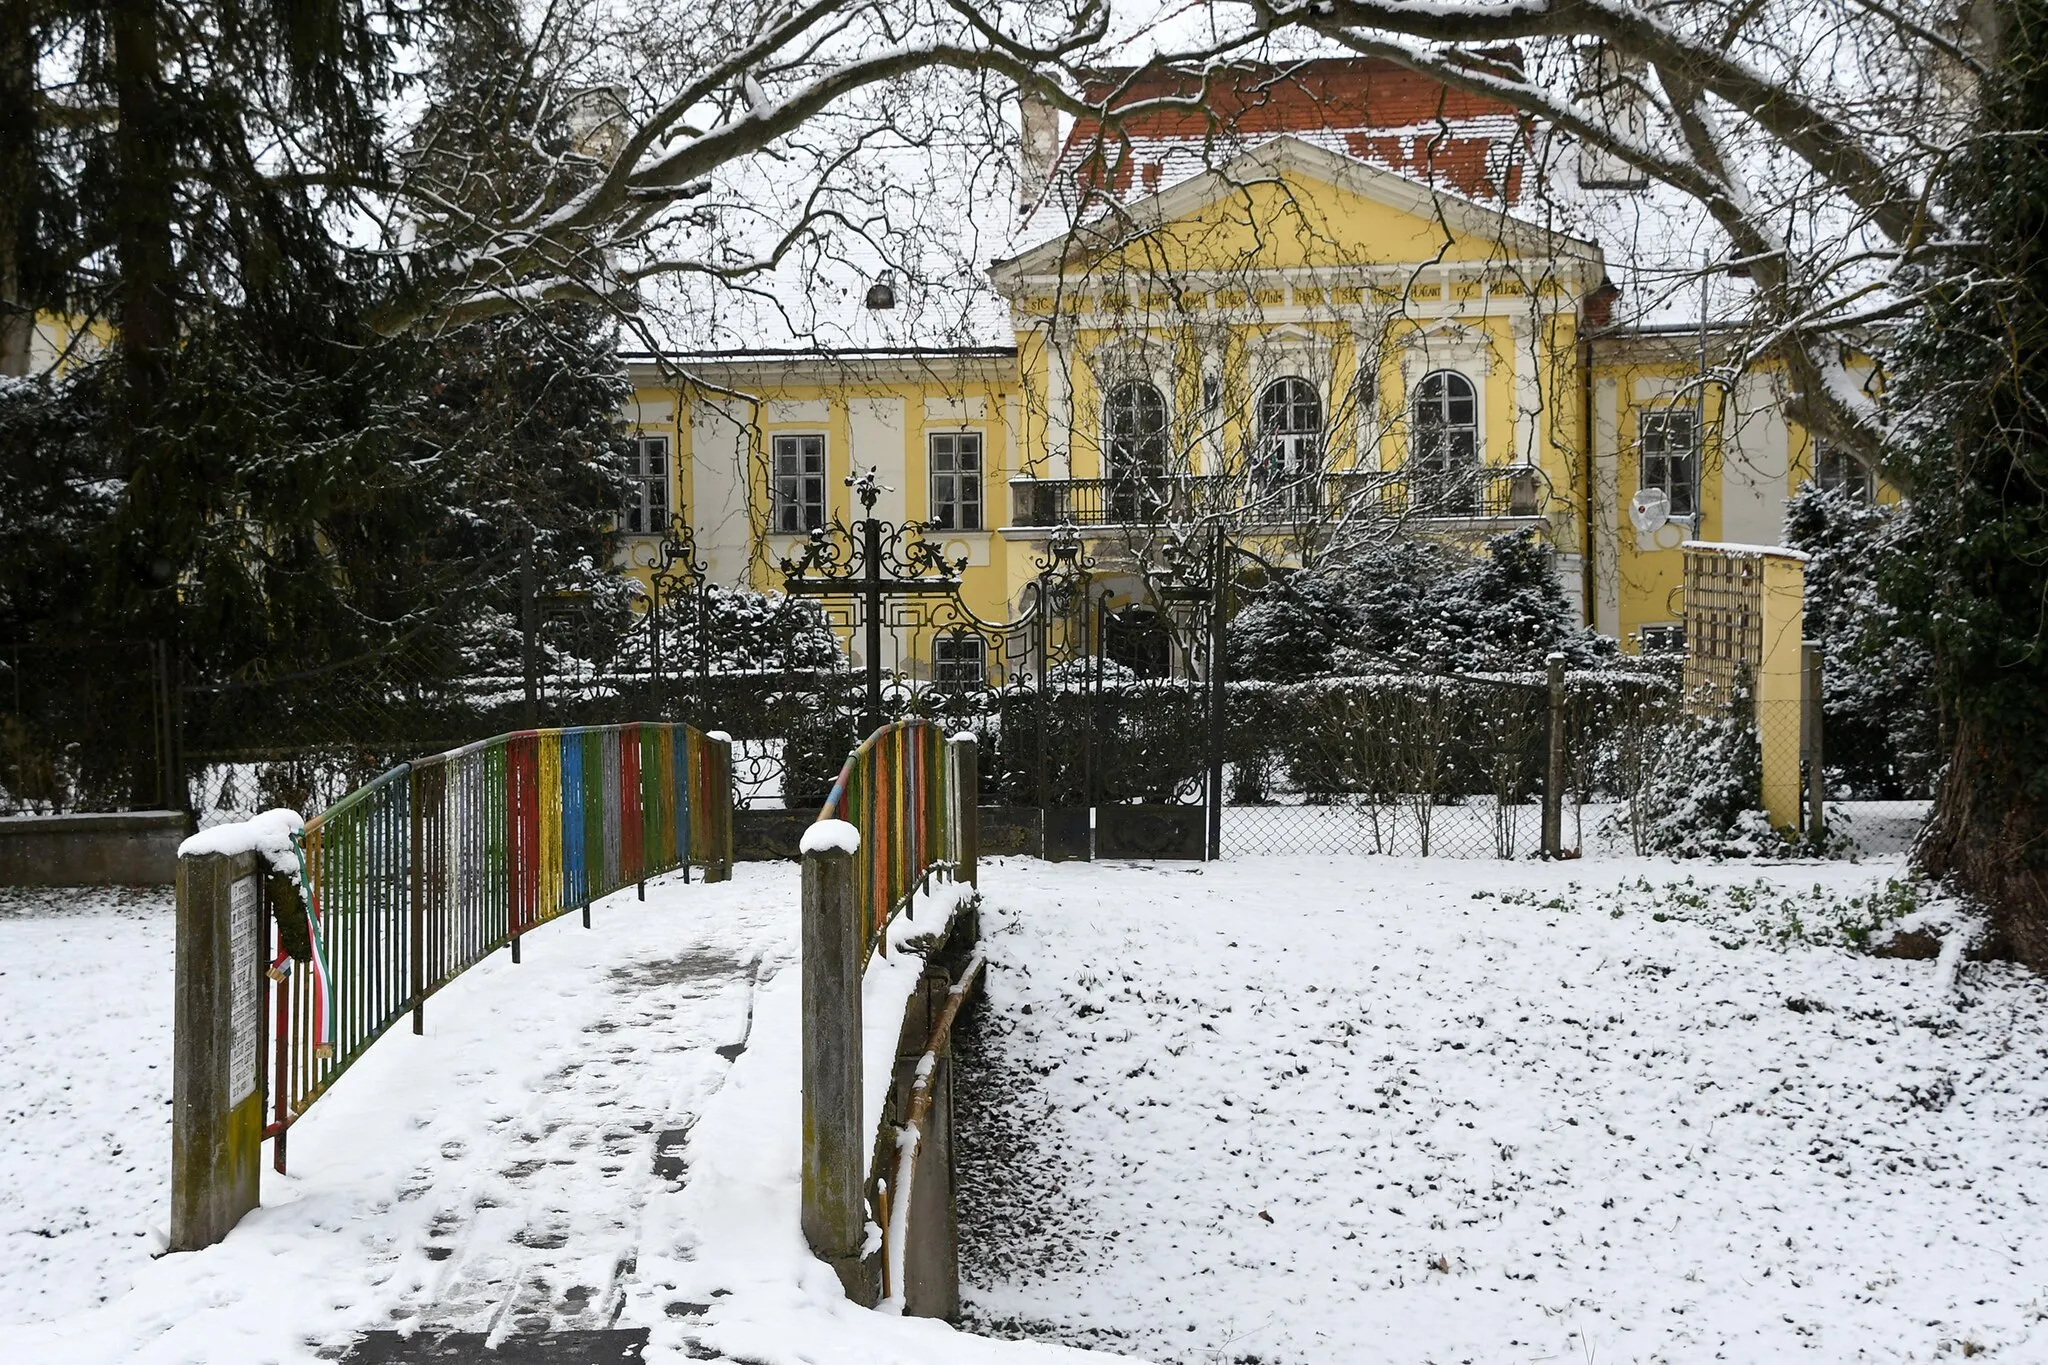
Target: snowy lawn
[(1338, 1110), (85, 1085)]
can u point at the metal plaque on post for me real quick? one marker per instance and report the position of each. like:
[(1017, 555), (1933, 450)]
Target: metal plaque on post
[(245, 1010)]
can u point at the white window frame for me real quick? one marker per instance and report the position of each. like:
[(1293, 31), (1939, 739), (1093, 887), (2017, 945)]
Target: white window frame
[(647, 500), (959, 661), (1653, 443), (1115, 468), (1445, 464), (1289, 453), (952, 506), (1661, 639), (796, 498)]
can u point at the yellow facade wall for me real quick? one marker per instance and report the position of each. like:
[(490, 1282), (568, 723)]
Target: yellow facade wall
[(1322, 273)]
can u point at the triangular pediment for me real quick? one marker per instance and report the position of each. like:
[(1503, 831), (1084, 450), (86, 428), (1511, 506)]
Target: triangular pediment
[(1286, 158)]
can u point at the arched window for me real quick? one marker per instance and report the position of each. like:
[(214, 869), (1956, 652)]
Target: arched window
[(1445, 436), (1133, 447), (1443, 446), (1134, 430), (1290, 434)]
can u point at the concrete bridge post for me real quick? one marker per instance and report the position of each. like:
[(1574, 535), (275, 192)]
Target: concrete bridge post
[(834, 1145)]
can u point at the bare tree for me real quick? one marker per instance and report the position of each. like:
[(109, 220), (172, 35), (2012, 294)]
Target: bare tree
[(1809, 134), (716, 141)]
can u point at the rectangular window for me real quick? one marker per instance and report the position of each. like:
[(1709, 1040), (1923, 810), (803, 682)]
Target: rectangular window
[(646, 510), (1668, 439), (956, 480), (1836, 468), (1663, 639), (959, 661), (797, 488)]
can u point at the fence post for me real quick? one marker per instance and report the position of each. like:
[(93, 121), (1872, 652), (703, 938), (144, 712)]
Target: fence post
[(1218, 694), (417, 899), (1553, 779), (217, 1048), (1816, 779), (967, 783), (719, 867), (835, 1155)]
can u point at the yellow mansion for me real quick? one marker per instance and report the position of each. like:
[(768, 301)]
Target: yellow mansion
[(1335, 305)]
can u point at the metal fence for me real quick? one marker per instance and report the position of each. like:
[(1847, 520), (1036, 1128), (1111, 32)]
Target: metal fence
[(906, 789), (1427, 766), (428, 869), (1405, 764)]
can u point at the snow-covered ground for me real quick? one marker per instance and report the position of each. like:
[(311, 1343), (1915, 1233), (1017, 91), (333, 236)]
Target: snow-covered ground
[(488, 1175), (604, 1135), (1358, 1109), (85, 1085), (1336, 1109)]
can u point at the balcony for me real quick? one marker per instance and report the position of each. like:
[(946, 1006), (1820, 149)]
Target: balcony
[(1491, 494), (1118, 502)]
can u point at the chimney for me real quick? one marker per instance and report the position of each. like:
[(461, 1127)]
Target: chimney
[(1039, 148), (1611, 90), (597, 119)]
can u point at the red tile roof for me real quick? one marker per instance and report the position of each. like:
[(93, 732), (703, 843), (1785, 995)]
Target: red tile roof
[(1368, 108)]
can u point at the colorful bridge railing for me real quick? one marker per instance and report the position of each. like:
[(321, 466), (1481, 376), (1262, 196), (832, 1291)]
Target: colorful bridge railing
[(903, 808), (904, 791), (418, 876)]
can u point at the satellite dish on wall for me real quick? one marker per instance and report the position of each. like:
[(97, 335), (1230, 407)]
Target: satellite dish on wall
[(1650, 510)]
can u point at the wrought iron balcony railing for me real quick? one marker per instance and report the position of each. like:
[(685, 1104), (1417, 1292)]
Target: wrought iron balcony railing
[(1488, 493), (1119, 502)]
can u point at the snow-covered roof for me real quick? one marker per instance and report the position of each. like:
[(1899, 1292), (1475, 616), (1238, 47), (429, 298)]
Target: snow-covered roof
[(951, 206), (1163, 126), (1472, 156)]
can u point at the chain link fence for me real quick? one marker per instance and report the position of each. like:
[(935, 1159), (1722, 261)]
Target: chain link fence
[(86, 726), (1429, 766)]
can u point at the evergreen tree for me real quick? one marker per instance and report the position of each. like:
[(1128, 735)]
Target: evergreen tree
[(275, 488), (1877, 692), (1294, 630), (520, 415), (1972, 377), (1416, 606)]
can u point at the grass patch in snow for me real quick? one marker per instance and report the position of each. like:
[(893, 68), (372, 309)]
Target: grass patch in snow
[(1763, 911)]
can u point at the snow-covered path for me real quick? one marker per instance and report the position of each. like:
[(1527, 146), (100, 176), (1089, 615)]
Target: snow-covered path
[(606, 1134), (1354, 1110), (489, 1176)]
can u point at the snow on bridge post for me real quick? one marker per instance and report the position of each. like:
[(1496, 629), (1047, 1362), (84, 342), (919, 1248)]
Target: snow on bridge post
[(718, 751)]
